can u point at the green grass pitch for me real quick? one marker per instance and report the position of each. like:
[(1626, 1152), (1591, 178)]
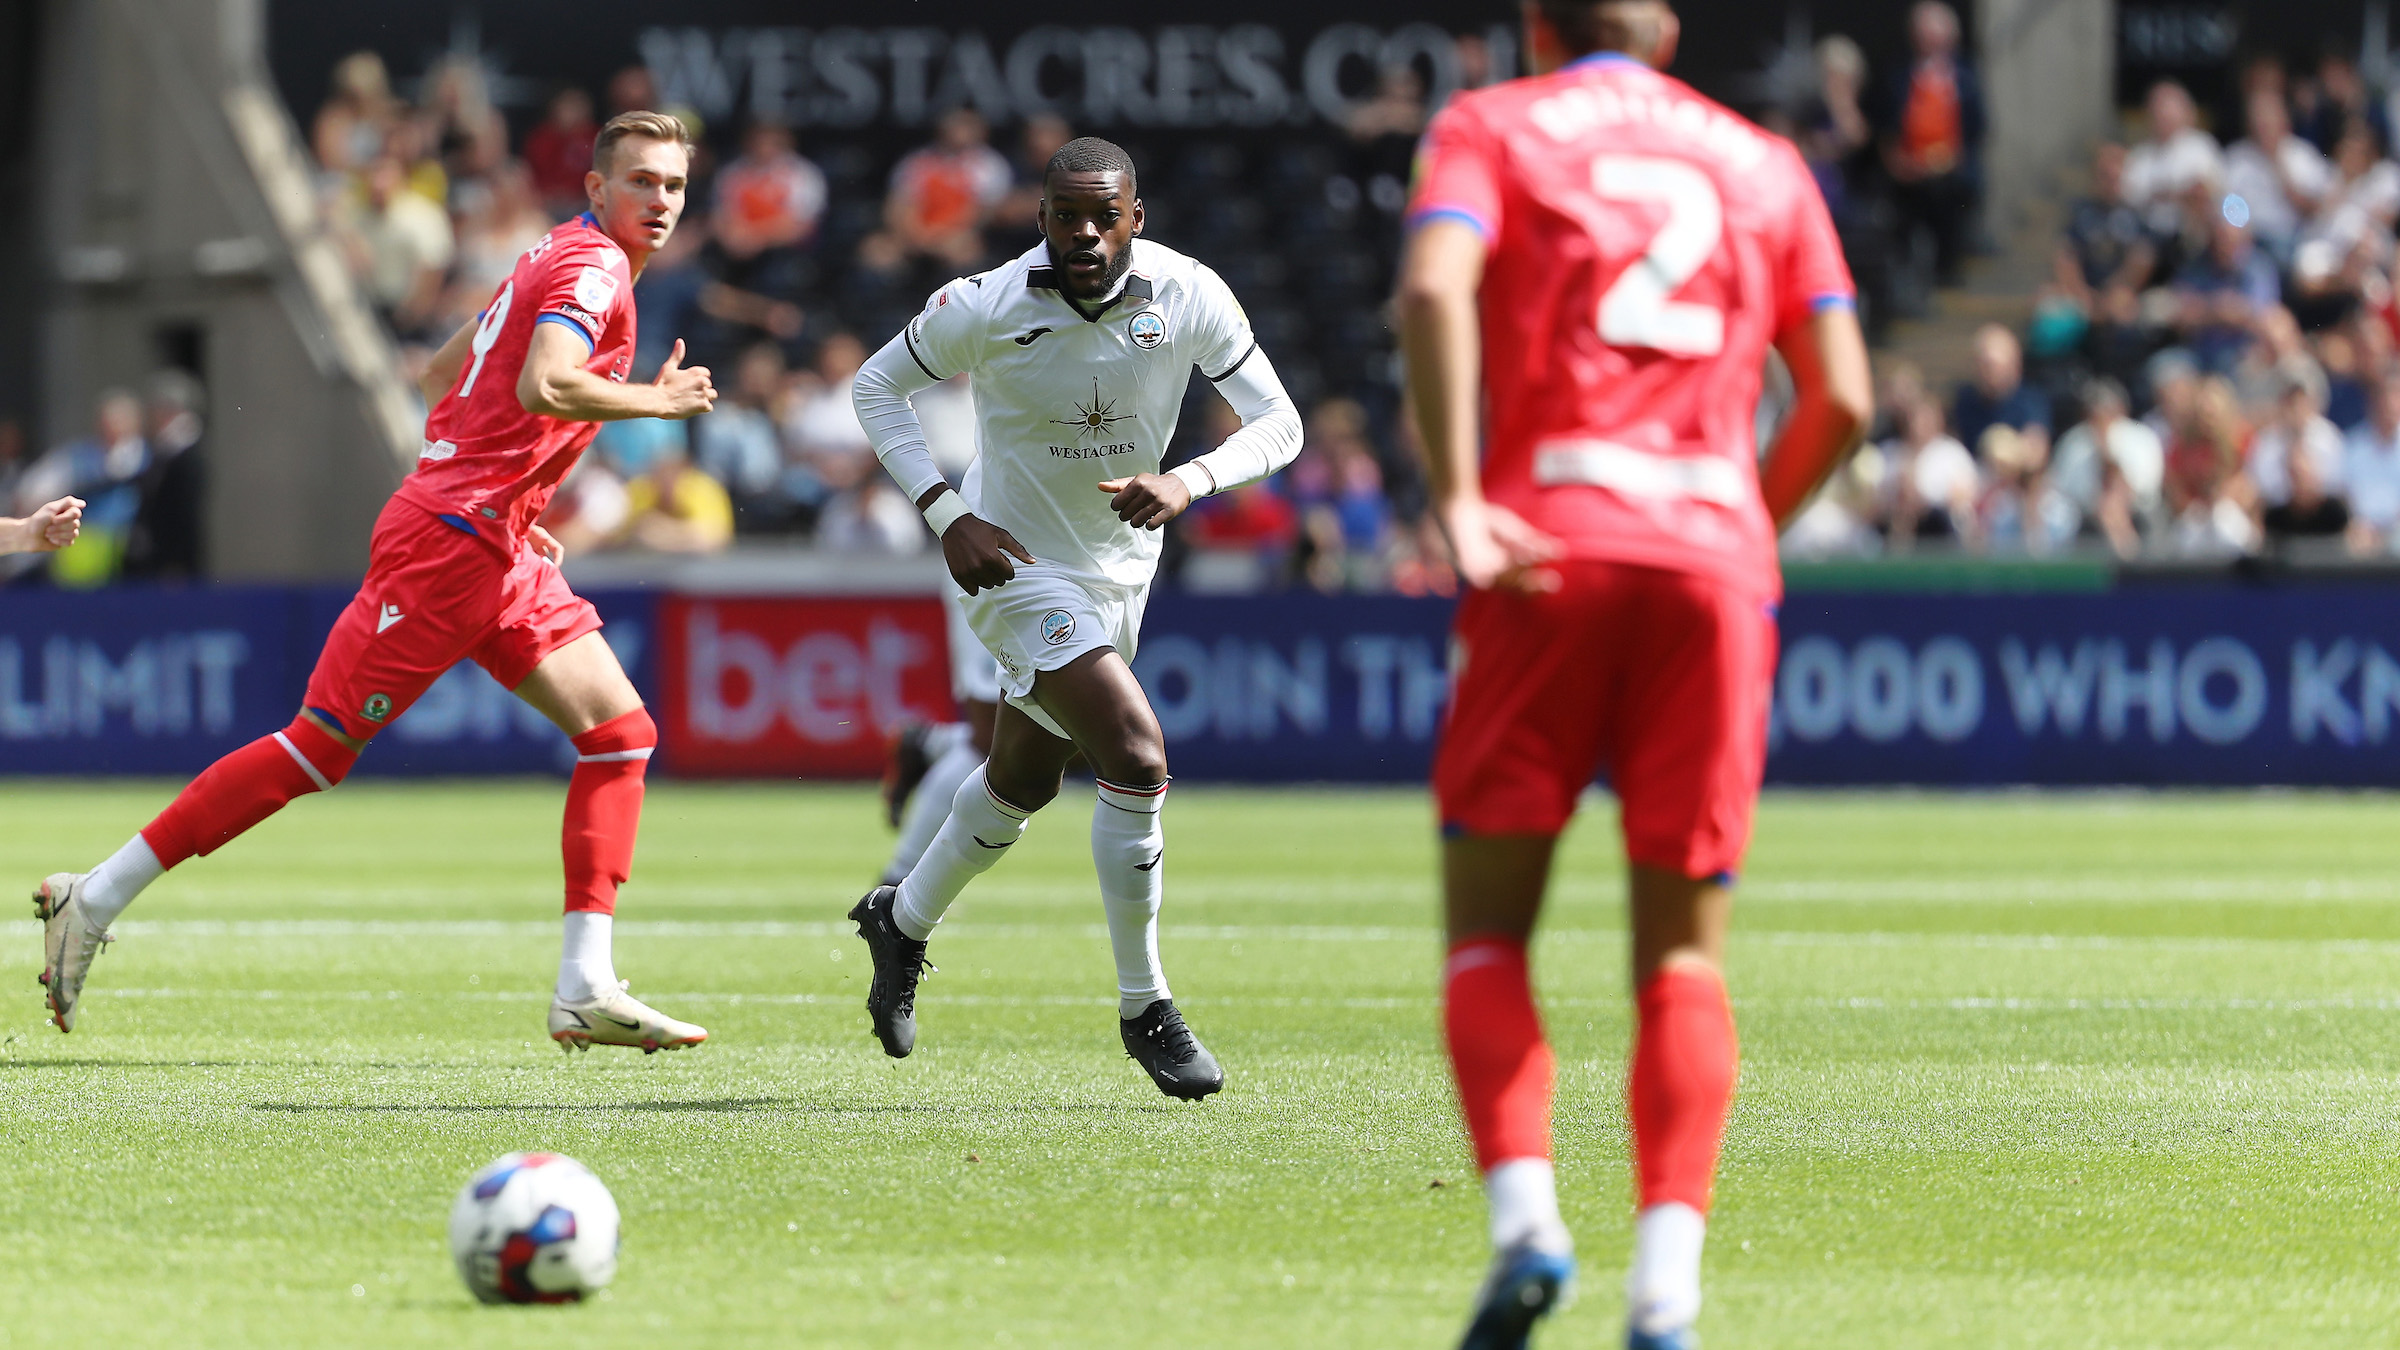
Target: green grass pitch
[(2084, 1070)]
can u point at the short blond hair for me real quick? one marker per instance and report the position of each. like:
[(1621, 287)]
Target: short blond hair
[(656, 126)]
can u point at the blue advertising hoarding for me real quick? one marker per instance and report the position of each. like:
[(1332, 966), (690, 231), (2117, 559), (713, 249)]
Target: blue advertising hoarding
[(2160, 684), (156, 680)]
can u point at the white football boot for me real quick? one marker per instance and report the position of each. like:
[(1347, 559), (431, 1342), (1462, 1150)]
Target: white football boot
[(69, 943), (615, 1017)]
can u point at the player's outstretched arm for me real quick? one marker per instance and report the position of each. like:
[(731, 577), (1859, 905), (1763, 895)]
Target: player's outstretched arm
[(1443, 347), (555, 384), (1268, 440), (47, 530), (1835, 397)]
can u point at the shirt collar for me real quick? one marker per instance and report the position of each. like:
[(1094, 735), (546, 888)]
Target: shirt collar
[(1604, 61)]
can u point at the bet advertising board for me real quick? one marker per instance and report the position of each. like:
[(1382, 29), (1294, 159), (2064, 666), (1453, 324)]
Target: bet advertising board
[(2149, 684)]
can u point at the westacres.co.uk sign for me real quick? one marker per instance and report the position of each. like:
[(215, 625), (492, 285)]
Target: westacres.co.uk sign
[(1185, 75)]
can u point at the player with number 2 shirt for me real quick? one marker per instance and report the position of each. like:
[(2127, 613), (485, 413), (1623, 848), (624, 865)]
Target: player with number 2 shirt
[(1599, 263), (458, 570)]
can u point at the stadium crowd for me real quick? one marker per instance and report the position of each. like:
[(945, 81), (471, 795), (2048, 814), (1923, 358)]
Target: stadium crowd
[(793, 262), (2209, 372)]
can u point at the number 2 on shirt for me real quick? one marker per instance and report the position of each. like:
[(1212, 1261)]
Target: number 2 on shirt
[(487, 333), (1636, 311)]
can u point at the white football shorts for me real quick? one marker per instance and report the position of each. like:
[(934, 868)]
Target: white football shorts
[(974, 675), (1045, 618)]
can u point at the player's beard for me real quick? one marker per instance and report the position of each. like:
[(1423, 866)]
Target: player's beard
[(1108, 280)]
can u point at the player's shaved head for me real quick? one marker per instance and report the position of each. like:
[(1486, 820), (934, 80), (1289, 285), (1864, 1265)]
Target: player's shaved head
[(1642, 29), (1089, 216), (1090, 154)]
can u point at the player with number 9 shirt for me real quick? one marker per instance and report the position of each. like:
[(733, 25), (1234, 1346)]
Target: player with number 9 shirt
[(1599, 263), (458, 570)]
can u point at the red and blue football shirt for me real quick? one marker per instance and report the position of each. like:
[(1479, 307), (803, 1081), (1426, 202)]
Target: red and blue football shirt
[(1646, 248), (488, 464)]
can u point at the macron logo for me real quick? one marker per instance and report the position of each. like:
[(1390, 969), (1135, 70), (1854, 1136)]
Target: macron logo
[(391, 615)]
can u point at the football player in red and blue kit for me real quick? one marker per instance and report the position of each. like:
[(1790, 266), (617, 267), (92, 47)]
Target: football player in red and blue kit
[(458, 570), (1600, 261)]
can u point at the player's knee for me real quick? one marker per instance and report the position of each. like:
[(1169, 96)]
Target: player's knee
[(1139, 758), (1026, 792), (325, 757), (627, 736)]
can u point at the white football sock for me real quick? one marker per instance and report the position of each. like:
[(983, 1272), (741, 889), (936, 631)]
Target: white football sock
[(113, 884), (979, 830), (586, 965), (929, 806), (1523, 1194), (1129, 849), (1663, 1291)]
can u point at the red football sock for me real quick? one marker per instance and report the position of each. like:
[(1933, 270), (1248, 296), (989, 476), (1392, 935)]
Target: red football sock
[(1684, 1058), (1496, 1048), (604, 809), (245, 788)]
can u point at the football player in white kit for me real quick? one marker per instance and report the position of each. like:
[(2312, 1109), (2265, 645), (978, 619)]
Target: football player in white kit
[(1080, 351)]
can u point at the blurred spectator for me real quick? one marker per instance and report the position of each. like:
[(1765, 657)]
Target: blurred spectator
[(2336, 96), (632, 90), (666, 298), (1998, 394), (1933, 137), (2371, 470), (1384, 129), (1337, 487), (589, 508), (2206, 498), (870, 516), (2173, 379), (401, 250), (164, 541), (2296, 430), (12, 461), (2173, 160), (2107, 246), (1239, 540), (819, 424), (559, 151), (2022, 511), (1838, 115), (105, 469), (1929, 480), (942, 194), (1041, 137), (422, 173), (2111, 467), (491, 236), (2279, 176), (356, 117), (2309, 510), (768, 199), (737, 443), (459, 127), (672, 507), (2221, 295), (2345, 382), (2352, 229)]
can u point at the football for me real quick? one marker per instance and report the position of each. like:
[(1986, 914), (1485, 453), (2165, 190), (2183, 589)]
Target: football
[(534, 1228)]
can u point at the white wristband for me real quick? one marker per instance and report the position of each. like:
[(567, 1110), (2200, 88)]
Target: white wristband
[(1195, 475), (945, 511)]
